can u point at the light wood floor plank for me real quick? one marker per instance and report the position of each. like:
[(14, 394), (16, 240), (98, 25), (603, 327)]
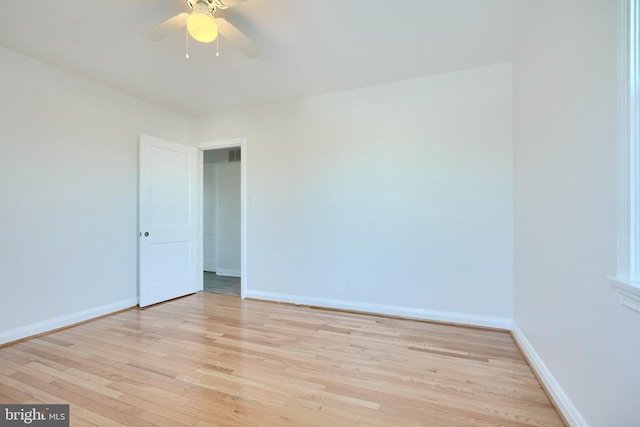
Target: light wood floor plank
[(216, 360)]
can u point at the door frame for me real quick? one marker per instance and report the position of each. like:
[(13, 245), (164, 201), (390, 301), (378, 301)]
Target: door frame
[(215, 145)]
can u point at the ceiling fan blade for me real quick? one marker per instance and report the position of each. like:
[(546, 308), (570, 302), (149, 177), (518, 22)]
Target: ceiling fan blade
[(237, 38), (163, 29)]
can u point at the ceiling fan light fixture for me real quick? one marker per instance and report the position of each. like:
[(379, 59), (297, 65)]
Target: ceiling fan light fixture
[(201, 25)]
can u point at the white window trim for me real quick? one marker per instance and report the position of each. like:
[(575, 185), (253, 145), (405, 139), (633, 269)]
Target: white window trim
[(627, 279)]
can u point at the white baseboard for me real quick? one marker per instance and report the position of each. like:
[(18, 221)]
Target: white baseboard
[(560, 398), (416, 313), (227, 272), (62, 321)]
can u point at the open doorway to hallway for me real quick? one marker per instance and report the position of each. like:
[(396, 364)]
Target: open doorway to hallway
[(222, 221)]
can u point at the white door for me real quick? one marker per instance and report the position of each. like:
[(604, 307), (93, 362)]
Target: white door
[(168, 220), (210, 216)]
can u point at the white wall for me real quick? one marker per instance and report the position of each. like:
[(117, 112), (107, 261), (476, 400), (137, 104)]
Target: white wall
[(565, 214), (68, 179), (395, 197), (210, 216), (229, 219), (228, 209), (216, 156)]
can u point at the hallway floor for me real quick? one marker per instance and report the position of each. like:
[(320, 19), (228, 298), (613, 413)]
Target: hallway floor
[(221, 284)]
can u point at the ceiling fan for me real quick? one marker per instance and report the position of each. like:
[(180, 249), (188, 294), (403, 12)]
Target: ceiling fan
[(204, 27)]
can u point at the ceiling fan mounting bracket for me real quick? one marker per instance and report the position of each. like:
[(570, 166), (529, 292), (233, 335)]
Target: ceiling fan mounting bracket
[(212, 5)]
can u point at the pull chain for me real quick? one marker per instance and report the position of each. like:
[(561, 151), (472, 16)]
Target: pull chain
[(186, 32), (217, 46)]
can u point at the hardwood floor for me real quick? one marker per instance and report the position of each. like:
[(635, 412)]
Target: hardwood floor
[(212, 359)]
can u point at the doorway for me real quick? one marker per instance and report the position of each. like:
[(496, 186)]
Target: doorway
[(221, 220), (222, 216)]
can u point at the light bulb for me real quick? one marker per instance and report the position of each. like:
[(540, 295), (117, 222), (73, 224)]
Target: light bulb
[(202, 27)]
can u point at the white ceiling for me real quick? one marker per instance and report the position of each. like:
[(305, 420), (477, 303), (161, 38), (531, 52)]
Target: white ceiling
[(307, 47)]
